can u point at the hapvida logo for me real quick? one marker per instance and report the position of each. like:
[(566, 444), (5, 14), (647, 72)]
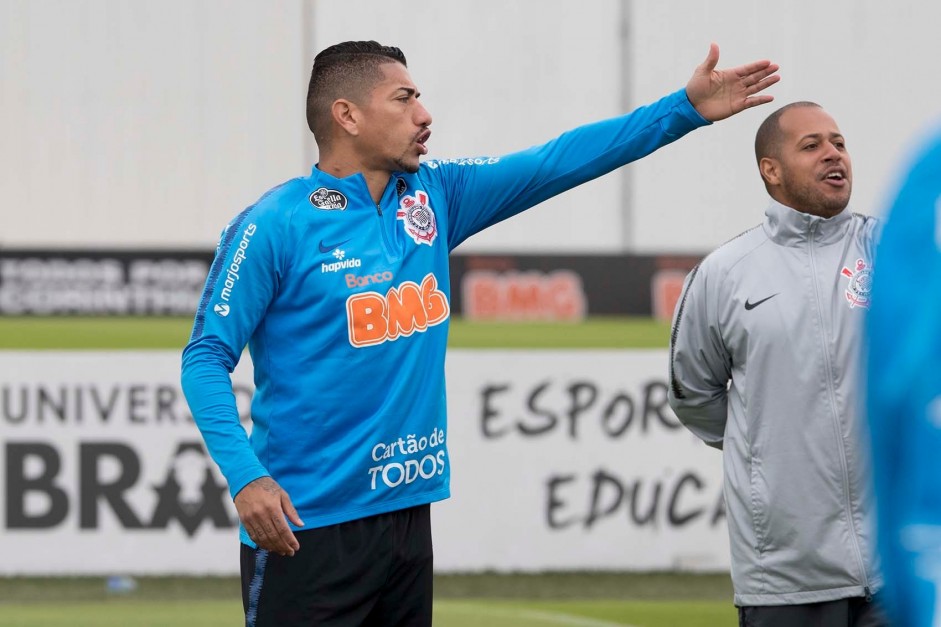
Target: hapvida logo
[(336, 266), (373, 318)]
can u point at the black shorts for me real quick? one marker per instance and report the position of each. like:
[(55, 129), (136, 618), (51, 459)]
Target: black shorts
[(852, 612), (374, 571)]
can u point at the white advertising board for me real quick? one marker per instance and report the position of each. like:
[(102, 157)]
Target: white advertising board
[(574, 460), (561, 460)]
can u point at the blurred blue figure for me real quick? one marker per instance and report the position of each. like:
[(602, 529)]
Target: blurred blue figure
[(904, 393)]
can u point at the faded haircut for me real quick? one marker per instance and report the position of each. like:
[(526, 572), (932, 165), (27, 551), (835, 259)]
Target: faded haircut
[(768, 137), (345, 70)]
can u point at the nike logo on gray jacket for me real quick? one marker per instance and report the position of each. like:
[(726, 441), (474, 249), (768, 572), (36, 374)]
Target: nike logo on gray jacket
[(749, 306)]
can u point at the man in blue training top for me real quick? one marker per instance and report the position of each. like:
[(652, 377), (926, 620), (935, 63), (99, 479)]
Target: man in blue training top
[(338, 283), (903, 385)]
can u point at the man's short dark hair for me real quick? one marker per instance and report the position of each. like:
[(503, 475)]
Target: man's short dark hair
[(768, 137), (345, 70)]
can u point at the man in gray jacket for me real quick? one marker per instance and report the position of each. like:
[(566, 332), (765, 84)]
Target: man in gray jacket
[(763, 365)]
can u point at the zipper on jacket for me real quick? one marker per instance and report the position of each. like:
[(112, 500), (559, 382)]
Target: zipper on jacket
[(387, 240), (844, 466), (384, 237), (868, 594)]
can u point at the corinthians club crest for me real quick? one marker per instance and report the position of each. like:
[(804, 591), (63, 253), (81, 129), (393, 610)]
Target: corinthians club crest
[(860, 286), (418, 218)]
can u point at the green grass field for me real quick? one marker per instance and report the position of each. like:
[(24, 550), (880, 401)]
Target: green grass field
[(485, 600), (172, 333), (447, 613)]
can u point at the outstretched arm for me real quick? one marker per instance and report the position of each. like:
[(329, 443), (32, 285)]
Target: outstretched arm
[(718, 94)]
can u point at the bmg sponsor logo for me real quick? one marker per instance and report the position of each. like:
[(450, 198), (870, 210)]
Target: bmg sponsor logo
[(374, 318), (529, 295)]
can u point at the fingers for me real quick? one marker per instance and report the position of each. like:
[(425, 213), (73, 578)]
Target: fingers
[(754, 83), (289, 510), (273, 535), (712, 58), (755, 67), (754, 101), (261, 507), (718, 94), (751, 100), (278, 533), (267, 537), (281, 537), (761, 85), (758, 76)]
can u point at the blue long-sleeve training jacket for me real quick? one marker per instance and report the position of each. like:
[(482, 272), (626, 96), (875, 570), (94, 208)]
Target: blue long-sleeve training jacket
[(903, 374), (344, 306)]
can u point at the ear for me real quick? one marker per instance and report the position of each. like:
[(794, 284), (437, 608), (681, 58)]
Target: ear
[(770, 170), (346, 115)]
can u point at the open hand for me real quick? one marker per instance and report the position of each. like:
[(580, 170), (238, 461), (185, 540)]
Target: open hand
[(718, 94)]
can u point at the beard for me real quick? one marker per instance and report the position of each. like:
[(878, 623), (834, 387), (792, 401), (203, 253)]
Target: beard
[(406, 162), (407, 167), (806, 197)]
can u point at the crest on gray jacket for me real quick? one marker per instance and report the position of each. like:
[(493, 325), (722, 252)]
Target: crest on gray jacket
[(860, 286)]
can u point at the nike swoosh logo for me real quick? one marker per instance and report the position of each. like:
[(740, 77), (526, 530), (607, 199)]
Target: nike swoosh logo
[(326, 248), (749, 306)]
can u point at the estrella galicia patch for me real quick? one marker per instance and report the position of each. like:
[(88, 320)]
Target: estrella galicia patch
[(328, 199), (418, 218), (400, 186)]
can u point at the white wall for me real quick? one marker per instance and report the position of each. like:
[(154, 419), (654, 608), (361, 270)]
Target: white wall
[(144, 122), (151, 122), (867, 62), (500, 77)]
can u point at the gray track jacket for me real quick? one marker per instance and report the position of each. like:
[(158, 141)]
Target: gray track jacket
[(777, 312)]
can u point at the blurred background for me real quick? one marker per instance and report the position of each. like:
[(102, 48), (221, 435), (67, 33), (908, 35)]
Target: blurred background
[(132, 131), (151, 122)]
